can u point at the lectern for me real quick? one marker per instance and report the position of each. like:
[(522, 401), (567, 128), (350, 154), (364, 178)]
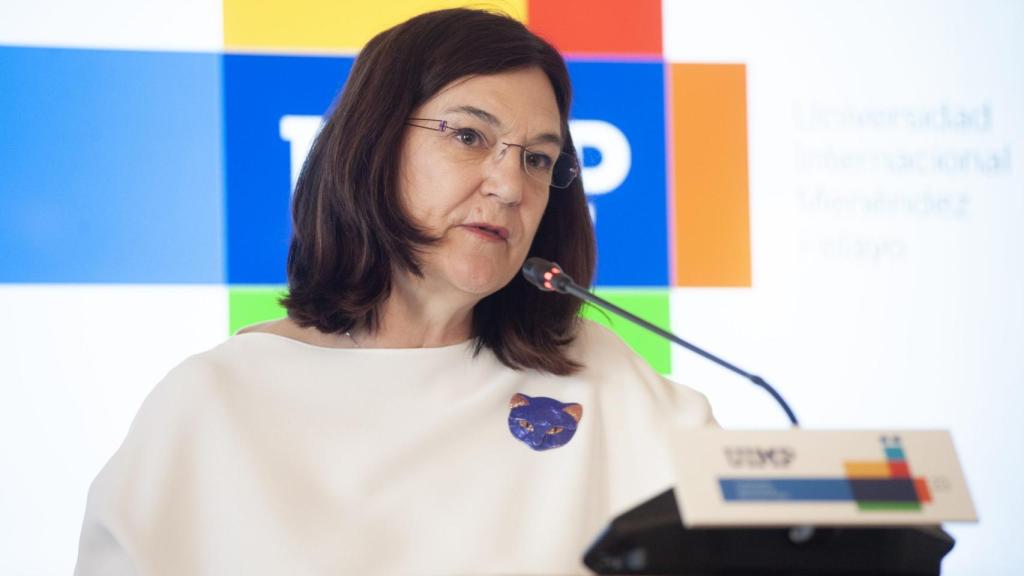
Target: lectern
[(651, 539)]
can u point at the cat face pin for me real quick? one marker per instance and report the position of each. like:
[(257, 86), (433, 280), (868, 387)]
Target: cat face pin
[(543, 423)]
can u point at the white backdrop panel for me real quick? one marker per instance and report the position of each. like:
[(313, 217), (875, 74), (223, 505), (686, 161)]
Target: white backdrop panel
[(187, 25), (886, 197), (77, 363)]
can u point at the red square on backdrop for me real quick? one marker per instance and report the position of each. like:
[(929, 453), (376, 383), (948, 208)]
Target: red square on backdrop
[(607, 27)]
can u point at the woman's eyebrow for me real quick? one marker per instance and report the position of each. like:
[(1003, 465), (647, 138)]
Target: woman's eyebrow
[(546, 138), (494, 121), (479, 113)]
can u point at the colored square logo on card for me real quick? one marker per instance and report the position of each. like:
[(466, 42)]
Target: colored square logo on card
[(873, 485)]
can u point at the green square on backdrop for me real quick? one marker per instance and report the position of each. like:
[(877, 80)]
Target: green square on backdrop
[(252, 304), (651, 304)]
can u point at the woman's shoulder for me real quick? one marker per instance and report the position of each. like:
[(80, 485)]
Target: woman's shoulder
[(598, 345), (595, 334), (194, 396), (289, 331), (280, 327), (195, 378), (623, 374), (209, 375)]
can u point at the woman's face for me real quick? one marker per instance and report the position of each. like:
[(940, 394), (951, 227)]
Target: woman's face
[(467, 188)]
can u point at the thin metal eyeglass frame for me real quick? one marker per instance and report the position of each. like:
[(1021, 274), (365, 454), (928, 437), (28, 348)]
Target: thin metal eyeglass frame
[(443, 125)]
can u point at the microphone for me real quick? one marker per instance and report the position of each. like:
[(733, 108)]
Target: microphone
[(549, 277)]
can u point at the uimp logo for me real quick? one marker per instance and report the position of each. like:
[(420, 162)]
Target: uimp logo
[(663, 145), (759, 456)]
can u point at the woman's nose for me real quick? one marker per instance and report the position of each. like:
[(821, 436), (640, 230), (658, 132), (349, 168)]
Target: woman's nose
[(505, 179)]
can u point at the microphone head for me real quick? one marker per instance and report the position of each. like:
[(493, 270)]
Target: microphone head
[(546, 275)]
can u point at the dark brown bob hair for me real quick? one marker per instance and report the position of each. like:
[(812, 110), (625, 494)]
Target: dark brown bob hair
[(350, 231)]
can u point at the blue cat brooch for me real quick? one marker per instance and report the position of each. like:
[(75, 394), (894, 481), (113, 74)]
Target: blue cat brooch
[(543, 423)]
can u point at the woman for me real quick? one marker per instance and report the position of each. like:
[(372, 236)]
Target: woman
[(421, 409)]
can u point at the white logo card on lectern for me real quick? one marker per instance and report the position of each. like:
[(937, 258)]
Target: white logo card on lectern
[(819, 477)]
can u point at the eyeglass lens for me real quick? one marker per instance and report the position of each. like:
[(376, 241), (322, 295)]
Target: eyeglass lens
[(552, 168)]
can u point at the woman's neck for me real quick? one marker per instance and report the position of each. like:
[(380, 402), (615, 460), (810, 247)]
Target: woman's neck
[(419, 316)]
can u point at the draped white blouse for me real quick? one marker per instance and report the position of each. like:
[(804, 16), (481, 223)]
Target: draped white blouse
[(266, 455)]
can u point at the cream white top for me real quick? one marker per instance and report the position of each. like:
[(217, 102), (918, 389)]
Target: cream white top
[(265, 455)]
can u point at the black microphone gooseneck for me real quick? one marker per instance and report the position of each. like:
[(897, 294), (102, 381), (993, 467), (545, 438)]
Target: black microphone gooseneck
[(549, 277)]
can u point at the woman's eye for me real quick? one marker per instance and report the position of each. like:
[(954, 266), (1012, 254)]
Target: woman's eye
[(468, 137), (537, 161)]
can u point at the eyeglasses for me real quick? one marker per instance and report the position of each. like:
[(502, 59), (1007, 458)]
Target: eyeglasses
[(545, 162)]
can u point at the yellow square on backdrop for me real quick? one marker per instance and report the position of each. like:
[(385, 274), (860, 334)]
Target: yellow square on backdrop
[(330, 25)]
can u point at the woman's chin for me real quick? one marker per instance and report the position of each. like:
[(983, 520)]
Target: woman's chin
[(479, 276)]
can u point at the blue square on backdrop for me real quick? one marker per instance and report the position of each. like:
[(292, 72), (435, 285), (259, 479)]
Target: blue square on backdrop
[(111, 164), (269, 102), (619, 129), (627, 192)]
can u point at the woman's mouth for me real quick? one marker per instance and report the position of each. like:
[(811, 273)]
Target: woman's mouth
[(487, 231)]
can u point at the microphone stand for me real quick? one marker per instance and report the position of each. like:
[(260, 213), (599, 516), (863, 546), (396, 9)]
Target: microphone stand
[(575, 290), (549, 277)]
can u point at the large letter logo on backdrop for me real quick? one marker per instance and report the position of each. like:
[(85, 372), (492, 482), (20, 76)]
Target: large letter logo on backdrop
[(606, 155)]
